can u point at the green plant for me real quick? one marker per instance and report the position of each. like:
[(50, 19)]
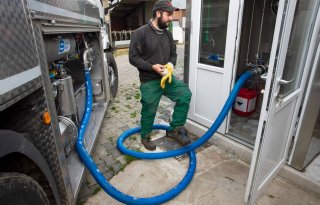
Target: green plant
[(137, 96), (138, 150), (111, 140), (129, 159), (122, 166), (133, 114), (114, 109), (96, 190), (87, 182), (80, 202)]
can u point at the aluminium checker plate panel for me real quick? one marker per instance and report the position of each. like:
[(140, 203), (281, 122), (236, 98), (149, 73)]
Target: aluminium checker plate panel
[(19, 64), (27, 120), (53, 149), (18, 21), (23, 60), (71, 11)]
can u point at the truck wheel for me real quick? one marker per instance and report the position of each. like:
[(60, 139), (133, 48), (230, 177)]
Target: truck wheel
[(113, 74), (18, 189)]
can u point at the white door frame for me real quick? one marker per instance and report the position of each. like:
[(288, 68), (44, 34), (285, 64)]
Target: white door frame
[(226, 74), (313, 61)]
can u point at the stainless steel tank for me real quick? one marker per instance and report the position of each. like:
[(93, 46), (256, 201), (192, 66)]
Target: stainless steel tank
[(60, 46), (67, 105)]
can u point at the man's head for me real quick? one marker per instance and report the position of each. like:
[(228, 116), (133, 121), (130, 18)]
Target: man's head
[(164, 5), (163, 13)]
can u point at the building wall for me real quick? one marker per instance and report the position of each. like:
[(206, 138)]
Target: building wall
[(105, 5), (177, 15), (148, 10), (142, 16)]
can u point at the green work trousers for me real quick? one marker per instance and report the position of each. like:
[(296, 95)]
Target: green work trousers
[(151, 93)]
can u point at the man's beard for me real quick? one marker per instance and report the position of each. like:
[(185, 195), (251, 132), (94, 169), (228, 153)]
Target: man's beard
[(161, 24)]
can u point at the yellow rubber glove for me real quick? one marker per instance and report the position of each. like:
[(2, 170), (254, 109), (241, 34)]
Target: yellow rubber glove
[(169, 69)]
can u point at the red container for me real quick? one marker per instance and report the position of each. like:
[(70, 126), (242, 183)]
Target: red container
[(245, 103)]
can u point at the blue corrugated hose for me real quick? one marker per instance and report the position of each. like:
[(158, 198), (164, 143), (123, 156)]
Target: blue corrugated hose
[(227, 106), (124, 198)]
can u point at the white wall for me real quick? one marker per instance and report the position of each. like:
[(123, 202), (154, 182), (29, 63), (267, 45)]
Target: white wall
[(181, 4), (177, 32)]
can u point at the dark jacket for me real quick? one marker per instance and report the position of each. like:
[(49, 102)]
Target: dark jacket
[(148, 47)]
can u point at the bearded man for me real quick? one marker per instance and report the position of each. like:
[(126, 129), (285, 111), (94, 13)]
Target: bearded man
[(153, 51)]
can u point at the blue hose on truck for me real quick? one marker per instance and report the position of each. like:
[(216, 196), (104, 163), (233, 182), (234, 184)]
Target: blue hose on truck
[(124, 198)]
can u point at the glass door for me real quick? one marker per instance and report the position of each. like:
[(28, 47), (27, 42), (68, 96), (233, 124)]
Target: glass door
[(295, 38)]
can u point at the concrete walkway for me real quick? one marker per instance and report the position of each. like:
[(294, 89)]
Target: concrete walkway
[(220, 177)]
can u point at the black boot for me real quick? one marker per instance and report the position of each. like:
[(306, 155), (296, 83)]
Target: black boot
[(180, 134), (147, 143)]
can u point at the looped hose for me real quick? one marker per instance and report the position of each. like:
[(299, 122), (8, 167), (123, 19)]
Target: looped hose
[(189, 149), (103, 182)]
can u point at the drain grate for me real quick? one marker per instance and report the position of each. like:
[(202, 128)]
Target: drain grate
[(166, 144)]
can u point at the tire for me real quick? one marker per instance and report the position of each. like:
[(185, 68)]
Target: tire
[(20, 189), (112, 71)]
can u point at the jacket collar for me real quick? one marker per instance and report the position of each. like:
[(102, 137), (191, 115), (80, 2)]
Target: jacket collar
[(158, 31)]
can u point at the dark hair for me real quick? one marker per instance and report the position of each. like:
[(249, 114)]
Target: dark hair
[(154, 14)]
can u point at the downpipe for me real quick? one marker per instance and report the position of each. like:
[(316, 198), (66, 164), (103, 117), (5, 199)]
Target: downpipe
[(127, 199)]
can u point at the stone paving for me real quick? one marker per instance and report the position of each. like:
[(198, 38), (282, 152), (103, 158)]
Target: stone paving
[(123, 113)]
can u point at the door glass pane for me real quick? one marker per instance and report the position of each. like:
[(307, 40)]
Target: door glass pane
[(213, 32), (299, 42)]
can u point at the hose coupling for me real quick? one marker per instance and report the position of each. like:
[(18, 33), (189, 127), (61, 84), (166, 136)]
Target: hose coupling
[(258, 70), (88, 58)]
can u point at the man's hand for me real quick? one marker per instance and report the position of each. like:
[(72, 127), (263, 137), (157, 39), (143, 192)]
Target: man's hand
[(168, 75), (158, 68)]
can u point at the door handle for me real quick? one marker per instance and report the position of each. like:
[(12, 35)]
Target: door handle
[(264, 76), (285, 82), (282, 82)]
